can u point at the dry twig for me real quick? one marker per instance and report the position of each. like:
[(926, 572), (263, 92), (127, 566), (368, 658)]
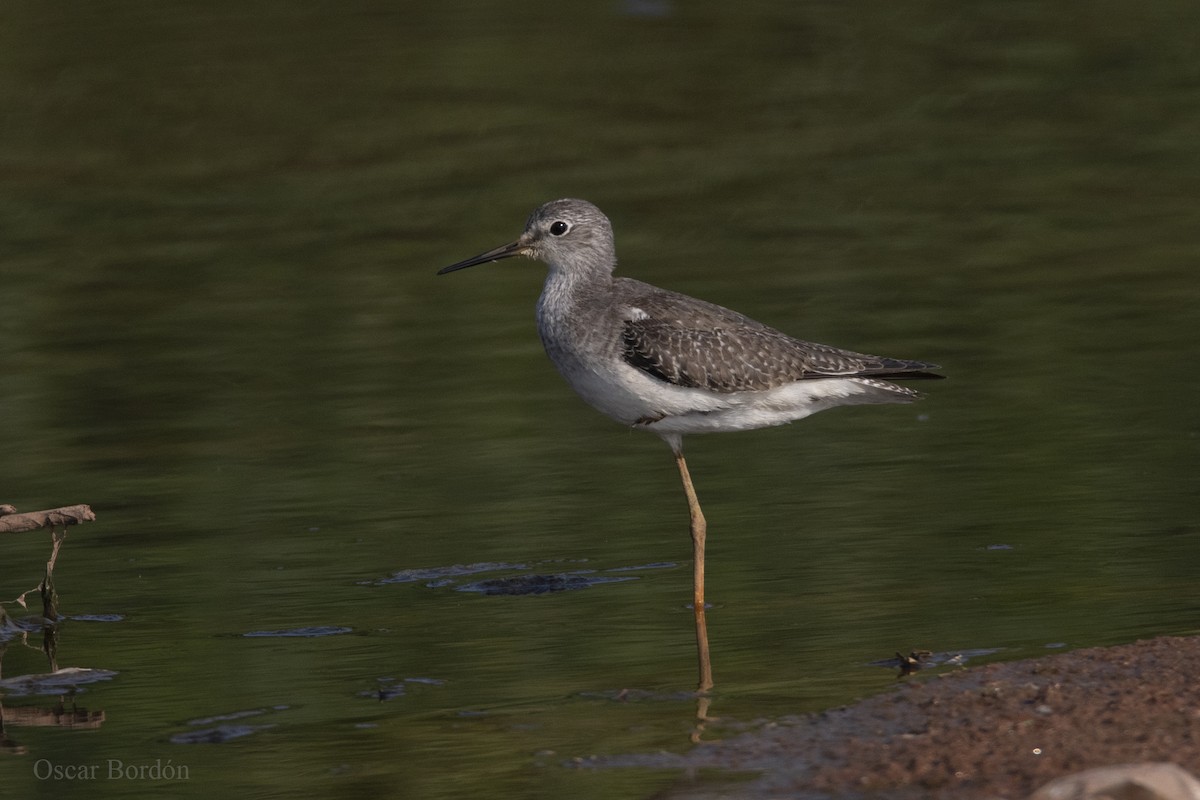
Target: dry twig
[(12, 522)]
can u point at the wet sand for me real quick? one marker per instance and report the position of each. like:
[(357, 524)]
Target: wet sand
[(997, 731)]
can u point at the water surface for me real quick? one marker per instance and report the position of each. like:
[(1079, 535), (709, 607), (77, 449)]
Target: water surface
[(222, 329)]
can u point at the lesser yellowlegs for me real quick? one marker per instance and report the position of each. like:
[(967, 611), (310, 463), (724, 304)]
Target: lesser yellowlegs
[(674, 365)]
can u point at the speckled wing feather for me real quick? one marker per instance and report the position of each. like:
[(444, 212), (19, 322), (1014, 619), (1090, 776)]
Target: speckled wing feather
[(694, 344)]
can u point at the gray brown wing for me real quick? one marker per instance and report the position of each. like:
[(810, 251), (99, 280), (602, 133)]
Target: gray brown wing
[(699, 345)]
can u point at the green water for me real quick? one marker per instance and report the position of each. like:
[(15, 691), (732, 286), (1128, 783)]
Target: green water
[(220, 326)]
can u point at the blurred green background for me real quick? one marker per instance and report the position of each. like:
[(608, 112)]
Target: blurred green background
[(220, 326)]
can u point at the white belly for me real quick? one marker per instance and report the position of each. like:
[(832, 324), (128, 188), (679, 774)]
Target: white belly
[(631, 397)]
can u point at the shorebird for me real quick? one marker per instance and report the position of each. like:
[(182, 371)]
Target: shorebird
[(673, 365)]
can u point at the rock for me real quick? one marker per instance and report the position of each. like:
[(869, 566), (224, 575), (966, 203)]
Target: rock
[(1148, 781)]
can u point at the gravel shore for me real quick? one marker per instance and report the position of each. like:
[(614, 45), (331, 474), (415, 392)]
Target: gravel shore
[(997, 731)]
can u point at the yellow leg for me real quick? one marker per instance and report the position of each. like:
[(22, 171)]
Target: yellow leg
[(699, 528)]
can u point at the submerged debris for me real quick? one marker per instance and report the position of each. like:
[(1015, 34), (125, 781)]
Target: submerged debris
[(922, 659), (320, 630), (440, 577), (63, 681), (217, 735), (538, 584), (440, 574)]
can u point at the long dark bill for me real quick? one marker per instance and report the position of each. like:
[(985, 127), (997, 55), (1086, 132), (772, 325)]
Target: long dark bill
[(504, 251)]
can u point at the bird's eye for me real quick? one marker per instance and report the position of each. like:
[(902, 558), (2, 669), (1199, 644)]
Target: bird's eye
[(559, 228)]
